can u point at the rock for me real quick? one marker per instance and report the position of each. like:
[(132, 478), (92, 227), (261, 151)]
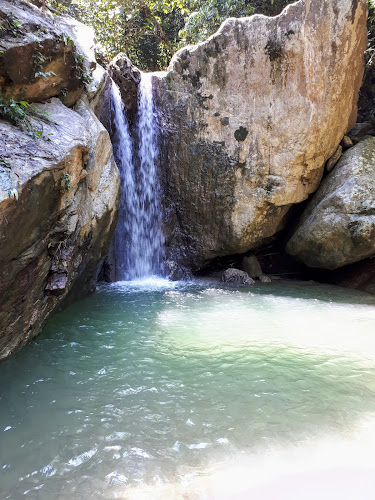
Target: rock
[(250, 264), (58, 230), (334, 159), (346, 142), (361, 131), (338, 226), (95, 89), (360, 276), (265, 279), (41, 55), (176, 272), (237, 277), (127, 77), (249, 118)]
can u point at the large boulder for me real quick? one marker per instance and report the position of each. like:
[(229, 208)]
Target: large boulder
[(42, 55), (58, 208), (338, 226), (249, 118), (127, 77)]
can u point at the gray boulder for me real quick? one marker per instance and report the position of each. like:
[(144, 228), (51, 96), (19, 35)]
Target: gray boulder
[(338, 226), (236, 277)]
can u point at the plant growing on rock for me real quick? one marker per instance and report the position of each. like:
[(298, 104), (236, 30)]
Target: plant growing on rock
[(20, 113), (11, 26), (39, 61)]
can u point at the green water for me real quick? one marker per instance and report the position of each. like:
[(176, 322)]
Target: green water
[(155, 383)]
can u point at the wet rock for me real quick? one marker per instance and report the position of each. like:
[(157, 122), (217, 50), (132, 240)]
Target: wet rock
[(176, 272), (265, 279), (237, 277), (338, 226), (249, 118), (127, 77), (251, 265)]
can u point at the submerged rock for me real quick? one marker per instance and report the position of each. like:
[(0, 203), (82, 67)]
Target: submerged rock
[(237, 277), (338, 226), (250, 118)]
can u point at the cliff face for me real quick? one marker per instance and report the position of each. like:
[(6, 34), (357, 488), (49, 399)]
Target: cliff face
[(249, 119), (59, 186)]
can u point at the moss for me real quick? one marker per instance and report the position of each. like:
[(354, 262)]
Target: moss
[(241, 134), (196, 80), (274, 50)]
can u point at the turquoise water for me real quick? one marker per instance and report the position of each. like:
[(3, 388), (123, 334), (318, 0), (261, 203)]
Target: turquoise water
[(156, 383)]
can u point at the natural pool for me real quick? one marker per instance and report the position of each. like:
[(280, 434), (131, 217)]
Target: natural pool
[(149, 389)]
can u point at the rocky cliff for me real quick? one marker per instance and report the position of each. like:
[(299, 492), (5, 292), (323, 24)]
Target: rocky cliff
[(249, 119), (59, 185)]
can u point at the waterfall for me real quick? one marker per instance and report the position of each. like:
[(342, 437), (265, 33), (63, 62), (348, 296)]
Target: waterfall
[(138, 238)]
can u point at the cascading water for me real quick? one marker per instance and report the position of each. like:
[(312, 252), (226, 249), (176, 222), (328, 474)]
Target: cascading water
[(138, 239)]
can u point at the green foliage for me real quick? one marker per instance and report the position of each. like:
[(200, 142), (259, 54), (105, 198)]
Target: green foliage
[(11, 26), (65, 182), (206, 17), (147, 30), (20, 113), (80, 70), (7, 178)]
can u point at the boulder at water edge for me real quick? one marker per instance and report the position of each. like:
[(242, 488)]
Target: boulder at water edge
[(59, 185), (338, 226), (250, 117), (58, 208), (236, 277)]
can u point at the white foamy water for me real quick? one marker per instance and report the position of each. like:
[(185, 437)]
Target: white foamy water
[(138, 239)]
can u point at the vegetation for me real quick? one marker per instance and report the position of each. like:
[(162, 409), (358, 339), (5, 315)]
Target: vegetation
[(20, 113), (150, 31)]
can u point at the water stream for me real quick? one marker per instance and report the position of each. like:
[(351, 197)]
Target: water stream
[(152, 389), (138, 239)]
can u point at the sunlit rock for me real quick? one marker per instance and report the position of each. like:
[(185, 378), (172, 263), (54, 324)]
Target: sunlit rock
[(54, 233), (250, 118), (42, 55), (338, 226)]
